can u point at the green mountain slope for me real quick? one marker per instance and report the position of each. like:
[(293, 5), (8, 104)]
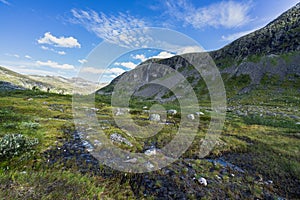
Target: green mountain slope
[(267, 58)]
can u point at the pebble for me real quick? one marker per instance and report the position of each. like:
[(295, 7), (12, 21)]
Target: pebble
[(202, 181), (191, 116)]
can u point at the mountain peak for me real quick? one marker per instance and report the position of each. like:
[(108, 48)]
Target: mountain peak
[(279, 36)]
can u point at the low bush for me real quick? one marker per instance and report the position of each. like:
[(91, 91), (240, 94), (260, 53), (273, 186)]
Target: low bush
[(14, 144)]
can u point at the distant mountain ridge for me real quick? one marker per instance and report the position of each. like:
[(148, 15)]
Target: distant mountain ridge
[(12, 80)]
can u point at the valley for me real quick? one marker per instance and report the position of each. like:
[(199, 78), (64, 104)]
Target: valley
[(53, 141)]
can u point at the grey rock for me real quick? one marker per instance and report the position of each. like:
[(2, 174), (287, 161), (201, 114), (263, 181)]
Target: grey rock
[(132, 160), (172, 112), (119, 139), (191, 116), (199, 113), (121, 111), (150, 152), (154, 117)]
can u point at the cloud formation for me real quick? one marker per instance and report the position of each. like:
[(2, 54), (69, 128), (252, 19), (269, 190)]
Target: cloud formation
[(234, 36), (116, 71), (122, 29), (82, 61), (129, 65), (5, 2), (67, 42), (163, 54), (228, 14), (55, 65), (140, 57), (53, 50)]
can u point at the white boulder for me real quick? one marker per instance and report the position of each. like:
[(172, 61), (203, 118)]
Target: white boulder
[(154, 117), (172, 112), (202, 181), (191, 116)]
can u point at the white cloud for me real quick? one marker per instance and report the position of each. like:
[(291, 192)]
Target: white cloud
[(116, 71), (28, 57), (92, 70), (82, 61), (16, 55), (44, 48), (61, 53), (53, 50), (226, 14), (163, 55), (55, 65), (189, 49), (141, 57), (5, 2), (123, 29), (107, 72), (129, 65), (68, 42), (36, 71), (231, 37)]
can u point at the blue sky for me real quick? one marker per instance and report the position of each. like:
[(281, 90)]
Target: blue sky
[(55, 37)]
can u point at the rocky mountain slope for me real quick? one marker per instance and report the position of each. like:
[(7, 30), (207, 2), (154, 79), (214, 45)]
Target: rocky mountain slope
[(12, 80), (280, 36), (269, 56)]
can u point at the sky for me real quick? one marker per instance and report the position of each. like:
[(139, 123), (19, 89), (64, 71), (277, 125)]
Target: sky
[(56, 37)]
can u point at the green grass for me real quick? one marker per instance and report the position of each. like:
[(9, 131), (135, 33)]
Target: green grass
[(50, 185), (266, 145)]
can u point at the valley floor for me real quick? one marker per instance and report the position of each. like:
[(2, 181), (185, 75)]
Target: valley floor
[(43, 156)]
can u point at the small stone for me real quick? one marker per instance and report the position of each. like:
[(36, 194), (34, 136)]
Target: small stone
[(149, 165), (121, 111), (154, 117), (191, 116), (119, 139), (172, 112), (132, 160), (151, 152), (199, 113), (202, 181)]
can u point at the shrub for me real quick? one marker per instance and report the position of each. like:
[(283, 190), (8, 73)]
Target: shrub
[(14, 144), (30, 125)]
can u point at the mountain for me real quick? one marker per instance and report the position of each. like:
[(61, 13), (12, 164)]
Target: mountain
[(268, 58), (21, 80), (12, 80)]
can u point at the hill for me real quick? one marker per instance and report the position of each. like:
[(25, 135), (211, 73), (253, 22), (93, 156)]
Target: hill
[(56, 84), (266, 58)]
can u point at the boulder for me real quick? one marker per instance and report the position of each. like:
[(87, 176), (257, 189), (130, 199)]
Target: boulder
[(151, 152), (202, 181), (154, 117), (121, 111), (119, 139), (172, 112), (191, 116), (199, 113)]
